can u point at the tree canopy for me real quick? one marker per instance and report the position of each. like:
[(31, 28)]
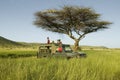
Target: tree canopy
[(71, 20)]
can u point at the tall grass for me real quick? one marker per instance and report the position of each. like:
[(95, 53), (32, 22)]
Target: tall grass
[(16, 53), (99, 65)]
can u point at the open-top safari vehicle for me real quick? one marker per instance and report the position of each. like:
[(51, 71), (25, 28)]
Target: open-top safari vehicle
[(47, 50)]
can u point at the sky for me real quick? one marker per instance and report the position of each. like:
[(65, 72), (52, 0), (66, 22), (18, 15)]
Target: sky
[(17, 16)]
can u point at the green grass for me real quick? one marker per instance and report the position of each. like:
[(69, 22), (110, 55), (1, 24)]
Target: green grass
[(16, 53), (99, 65)]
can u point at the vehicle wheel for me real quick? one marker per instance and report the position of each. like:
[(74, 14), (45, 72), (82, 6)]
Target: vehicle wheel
[(37, 54), (68, 58)]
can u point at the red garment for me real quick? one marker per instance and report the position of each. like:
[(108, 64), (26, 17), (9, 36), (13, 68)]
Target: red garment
[(48, 41), (60, 49)]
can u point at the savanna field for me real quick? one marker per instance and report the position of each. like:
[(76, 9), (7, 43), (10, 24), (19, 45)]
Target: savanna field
[(23, 65)]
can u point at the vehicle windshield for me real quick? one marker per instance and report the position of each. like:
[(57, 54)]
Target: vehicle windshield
[(67, 49)]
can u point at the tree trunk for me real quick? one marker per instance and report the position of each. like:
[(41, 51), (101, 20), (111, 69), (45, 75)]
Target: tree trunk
[(76, 46)]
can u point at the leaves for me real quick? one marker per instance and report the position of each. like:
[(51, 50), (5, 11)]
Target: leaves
[(69, 20)]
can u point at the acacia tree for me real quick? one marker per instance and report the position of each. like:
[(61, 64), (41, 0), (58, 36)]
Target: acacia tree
[(73, 21)]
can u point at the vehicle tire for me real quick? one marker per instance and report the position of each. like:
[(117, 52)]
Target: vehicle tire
[(37, 54), (69, 58)]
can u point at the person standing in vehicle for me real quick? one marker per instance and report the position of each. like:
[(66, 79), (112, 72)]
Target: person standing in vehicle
[(48, 40), (59, 45)]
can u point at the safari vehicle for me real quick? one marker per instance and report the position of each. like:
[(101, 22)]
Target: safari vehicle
[(47, 50)]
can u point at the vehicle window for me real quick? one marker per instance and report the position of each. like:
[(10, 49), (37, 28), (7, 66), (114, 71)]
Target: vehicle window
[(68, 49)]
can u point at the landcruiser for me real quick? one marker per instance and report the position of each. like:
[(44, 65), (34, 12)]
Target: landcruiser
[(47, 50)]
